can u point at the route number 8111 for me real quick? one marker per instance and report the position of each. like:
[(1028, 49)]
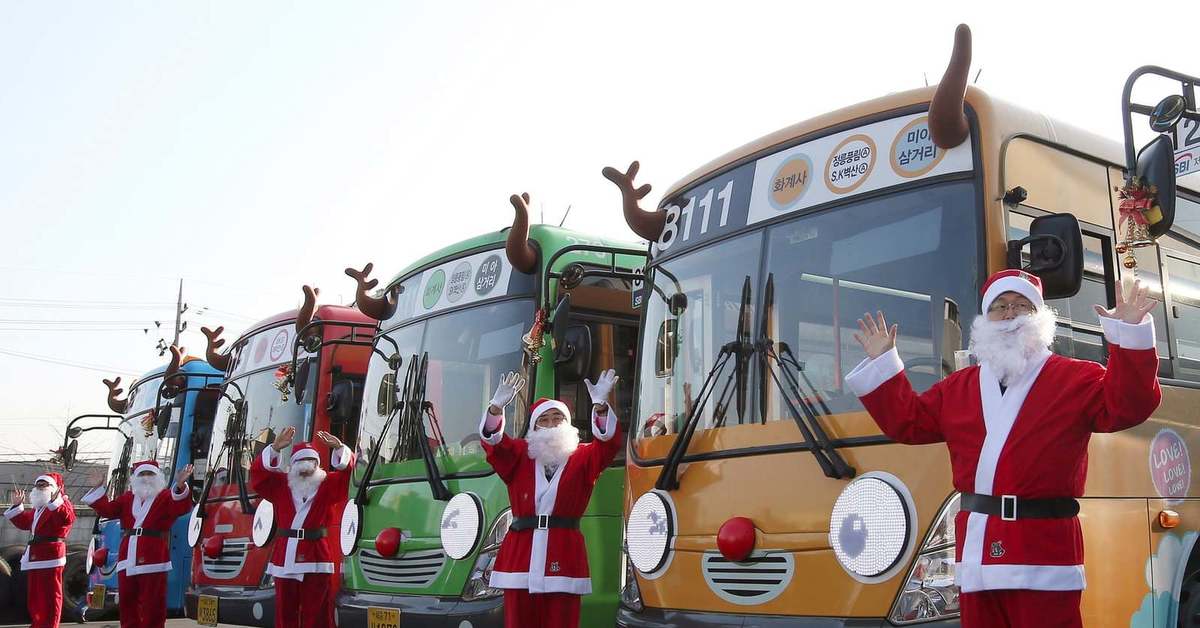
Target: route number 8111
[(690, 213)]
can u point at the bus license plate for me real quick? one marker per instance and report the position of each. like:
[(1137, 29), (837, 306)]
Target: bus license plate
[(383, 617), (206, 610), (98, 593)]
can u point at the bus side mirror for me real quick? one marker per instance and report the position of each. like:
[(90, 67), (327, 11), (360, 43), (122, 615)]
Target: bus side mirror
[(1156, 166), (301, 380), (385, 397), (340, 401), (666, 348), (163, 419), (1055, 254), (573, 354), (69, 453)]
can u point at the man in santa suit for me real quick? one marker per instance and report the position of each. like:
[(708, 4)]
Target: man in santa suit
[(147, 510), (542, 565), (50, 522), (1017, 427), (306, 500)]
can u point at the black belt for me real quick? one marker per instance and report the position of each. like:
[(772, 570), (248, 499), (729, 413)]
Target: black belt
[(304, 534), (542, 522), (143, 532), (46, 539), (1011, 507)]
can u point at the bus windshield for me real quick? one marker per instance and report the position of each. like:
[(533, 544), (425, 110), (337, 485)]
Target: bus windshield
[(469, 349), (811, 278)]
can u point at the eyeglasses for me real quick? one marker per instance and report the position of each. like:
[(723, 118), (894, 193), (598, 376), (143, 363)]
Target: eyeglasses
[(1018, 307)]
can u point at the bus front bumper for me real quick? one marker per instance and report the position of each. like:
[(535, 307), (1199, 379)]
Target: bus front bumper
[(421, 611), (660, 618), (235, 605)]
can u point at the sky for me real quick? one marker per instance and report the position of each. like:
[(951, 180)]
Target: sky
[(250, 148)]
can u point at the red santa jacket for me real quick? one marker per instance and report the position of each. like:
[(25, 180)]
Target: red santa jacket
[(52, 520), (553, 560), (1031, 442), (292, 557), (146, 553)]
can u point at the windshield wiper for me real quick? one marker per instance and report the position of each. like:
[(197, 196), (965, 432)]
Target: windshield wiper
[(417, 408), (739, 350), (361, 495), (831, 462)]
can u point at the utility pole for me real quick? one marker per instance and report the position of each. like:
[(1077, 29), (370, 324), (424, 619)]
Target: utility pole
[(180, 308)]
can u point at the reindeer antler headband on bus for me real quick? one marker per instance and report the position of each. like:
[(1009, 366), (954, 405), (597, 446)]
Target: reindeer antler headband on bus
[(947, 121), (377, 308), (215, 359), (648, 225), (120, 406), (520, 252)]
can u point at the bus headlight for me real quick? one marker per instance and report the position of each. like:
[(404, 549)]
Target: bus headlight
[(649, 530), (477, 587), (631, 596), (929, 592), (870, 528)]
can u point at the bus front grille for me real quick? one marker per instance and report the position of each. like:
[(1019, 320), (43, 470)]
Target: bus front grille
[(229, 564), (410, 569), (760, 578)]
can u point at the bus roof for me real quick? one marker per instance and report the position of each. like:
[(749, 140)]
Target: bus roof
[(340, 313), (1004, 120), (548, 237)]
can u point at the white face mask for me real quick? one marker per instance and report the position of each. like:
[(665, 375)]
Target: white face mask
[(39, 497), (552, 446), (147, 486), (1010, 347)]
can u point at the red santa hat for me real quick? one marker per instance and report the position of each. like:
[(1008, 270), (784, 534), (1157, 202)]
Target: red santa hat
[(542, 405), (1013, 280), (146, 465), (53, 479), (305, 451)]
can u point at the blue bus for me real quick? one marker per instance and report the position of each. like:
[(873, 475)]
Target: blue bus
[(168, 416)]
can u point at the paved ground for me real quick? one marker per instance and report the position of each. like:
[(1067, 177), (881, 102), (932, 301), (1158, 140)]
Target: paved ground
[(171, 623)]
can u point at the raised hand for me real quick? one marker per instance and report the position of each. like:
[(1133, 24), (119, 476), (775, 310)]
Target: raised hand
[(18, 496), (876, 338), (510, 384), (600, 391), (1133, 304), (284, 439), (183, 474), (331, 441)]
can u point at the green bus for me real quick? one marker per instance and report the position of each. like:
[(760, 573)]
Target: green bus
[(426, 513)]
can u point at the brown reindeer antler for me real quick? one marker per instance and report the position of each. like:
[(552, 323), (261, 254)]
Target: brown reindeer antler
[(305, 316), (177, 354), (377, 308), (647, 225), (947, 121), (216, 360), (520, 252), (120, 406)]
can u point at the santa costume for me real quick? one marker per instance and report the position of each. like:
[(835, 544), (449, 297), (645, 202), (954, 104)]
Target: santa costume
[(1018, 440), (50, 522), (542, 565), (305, 553), (147, 511)]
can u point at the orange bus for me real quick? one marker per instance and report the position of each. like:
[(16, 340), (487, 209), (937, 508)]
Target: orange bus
[(745, 436)]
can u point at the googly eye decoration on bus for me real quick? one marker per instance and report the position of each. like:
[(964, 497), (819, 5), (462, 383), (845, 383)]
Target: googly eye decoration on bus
[(839, 166)]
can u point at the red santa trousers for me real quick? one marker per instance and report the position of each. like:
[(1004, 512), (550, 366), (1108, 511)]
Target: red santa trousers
[(45, 596), (1020, 608), (142, 600), (540, 610), (304, 603)]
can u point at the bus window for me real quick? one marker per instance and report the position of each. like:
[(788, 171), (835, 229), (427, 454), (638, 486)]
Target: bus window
[(614, 346), (1184, 285), (1185, 232)]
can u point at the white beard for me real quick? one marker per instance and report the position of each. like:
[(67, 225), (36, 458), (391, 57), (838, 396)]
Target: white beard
[(39, 497), (552, 446), (148, 487), (305, 487), (1010, 347)]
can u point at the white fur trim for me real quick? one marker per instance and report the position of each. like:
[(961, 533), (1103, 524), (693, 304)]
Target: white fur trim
[(610, 425), (146, 467), (137, 570), (340, 458), (306, 453), (974, 577), (48, 479), (271, 458), (290, 568), (496, 436), (55, 503), (94, 495), (1011, 284), (13, 511), (872, 373), (1136, 337), (509, 580), (28, 565), (184, 494), (546, 406)]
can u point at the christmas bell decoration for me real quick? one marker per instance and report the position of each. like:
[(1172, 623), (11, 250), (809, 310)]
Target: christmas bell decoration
[(1138, 211), (533, 340)]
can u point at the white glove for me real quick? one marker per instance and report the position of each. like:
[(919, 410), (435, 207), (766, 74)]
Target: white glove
[(603, 387), (510, 384)]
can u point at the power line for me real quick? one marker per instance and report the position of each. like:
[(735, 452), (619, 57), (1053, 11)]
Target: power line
[(69, 363)]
